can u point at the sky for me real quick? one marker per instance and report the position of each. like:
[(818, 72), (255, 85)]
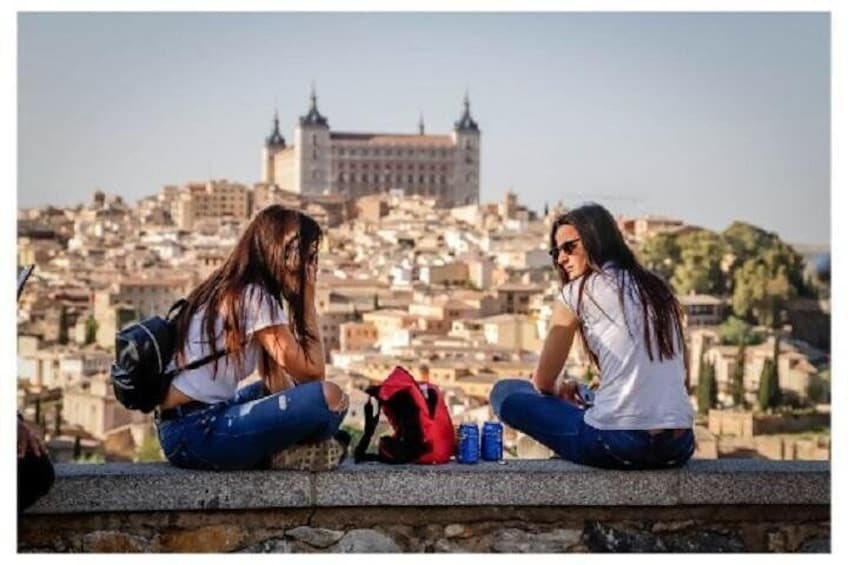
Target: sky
[(707, 117)]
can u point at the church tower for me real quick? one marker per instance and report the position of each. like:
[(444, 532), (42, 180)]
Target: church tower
[(312, 151), (466, 137), (274, 145)]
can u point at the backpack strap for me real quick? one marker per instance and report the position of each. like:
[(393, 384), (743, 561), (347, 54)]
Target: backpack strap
[(371, 420), (175, 309)]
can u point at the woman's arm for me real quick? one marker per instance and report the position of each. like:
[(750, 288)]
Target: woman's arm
[(556, 348), (302, 364), (285, 351)]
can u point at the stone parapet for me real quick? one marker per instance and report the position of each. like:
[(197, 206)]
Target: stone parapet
[(522, 506)]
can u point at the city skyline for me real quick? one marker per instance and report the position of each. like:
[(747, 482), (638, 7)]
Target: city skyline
[(572, 107)]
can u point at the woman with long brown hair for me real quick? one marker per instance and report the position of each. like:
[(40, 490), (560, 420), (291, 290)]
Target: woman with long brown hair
[(629, 322), (256, 311)]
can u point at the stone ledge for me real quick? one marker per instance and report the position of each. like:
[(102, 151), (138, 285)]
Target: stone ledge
[(118, 487)]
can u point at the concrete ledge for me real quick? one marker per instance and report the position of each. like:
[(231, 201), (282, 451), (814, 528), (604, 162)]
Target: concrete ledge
[(160, 487)]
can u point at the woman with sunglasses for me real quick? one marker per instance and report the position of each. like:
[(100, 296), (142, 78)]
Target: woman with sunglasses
[(629, 322), (257, 311)]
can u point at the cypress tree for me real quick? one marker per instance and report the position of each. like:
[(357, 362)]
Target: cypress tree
[(738, 382), (707, 392), (769, 395), (63, 325)]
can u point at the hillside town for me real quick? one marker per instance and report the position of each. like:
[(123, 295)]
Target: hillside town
[(459, 296)]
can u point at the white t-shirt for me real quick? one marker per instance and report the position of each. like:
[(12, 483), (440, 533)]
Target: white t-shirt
[(635, 393), (259, 311)]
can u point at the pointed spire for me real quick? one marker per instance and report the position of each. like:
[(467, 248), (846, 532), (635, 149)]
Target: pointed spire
[(466, 122), (313, 117), (276, 138), (420, 123)]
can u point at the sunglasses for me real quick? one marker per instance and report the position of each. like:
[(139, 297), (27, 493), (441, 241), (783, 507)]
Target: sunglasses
[(567, 246)]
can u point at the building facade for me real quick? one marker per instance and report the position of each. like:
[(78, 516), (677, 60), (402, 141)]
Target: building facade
[(321, 161)]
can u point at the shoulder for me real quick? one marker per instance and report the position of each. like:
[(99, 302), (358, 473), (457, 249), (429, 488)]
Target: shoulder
[(256, 299)]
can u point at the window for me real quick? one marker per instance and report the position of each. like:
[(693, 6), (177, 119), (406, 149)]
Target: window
[(314, 139)]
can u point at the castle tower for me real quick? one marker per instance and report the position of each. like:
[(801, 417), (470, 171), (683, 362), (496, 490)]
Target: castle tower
[(466, 136), (312, 151), (274, 144)]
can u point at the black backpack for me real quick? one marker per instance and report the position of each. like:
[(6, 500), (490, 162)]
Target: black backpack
[(142, 353)]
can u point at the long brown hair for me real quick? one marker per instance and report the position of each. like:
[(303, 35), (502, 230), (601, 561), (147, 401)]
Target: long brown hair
[(603, 242), (260, 258)]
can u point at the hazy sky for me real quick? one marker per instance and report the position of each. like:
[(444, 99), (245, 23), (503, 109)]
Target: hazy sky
[(706, 117)]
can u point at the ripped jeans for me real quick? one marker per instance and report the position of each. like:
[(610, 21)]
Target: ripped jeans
[(559, 425), (243, 433)]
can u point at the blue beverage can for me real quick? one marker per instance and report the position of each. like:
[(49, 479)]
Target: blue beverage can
[(492, 441), (468, 444)]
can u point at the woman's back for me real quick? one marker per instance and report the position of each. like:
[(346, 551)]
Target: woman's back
[(217, 381), (636, 392)]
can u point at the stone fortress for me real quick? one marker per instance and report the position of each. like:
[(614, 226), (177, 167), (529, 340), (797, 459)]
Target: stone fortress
[(354, 164)]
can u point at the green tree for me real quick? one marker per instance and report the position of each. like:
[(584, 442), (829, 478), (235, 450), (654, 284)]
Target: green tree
[(737, 390), (77, 448), (660, 254), (735, 331), (763, 287), (770, 396), (699, 267), (707, 392), (818, 389), (149, 450), (90, 330), (746, 241)]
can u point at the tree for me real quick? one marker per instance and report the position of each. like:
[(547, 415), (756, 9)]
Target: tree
[(770, 396), (57, 420), (737, 388), (90, 330), (736, 331), (762, 289), (63, 325), (699, 267), (818, 390), (707, 393), (746, 241), (77, 448), (660, 254)]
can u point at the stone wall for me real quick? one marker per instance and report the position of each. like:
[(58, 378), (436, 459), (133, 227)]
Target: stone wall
[(426, 529), (522, 506)]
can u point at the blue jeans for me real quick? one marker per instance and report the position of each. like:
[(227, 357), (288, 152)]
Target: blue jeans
[(243, 433), (559, 425)]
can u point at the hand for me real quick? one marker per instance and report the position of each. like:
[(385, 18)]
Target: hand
[(28, 440), (569, 391)]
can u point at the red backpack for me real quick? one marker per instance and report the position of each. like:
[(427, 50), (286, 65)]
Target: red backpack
[(423, 431)]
